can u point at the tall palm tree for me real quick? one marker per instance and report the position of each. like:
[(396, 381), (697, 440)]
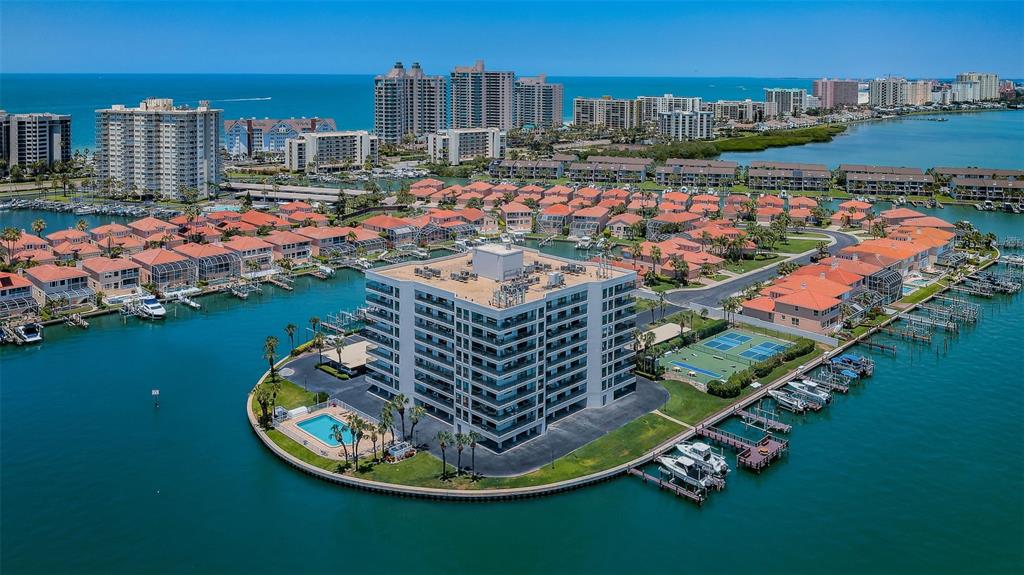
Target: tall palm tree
[(655, 258), (38, 226), (461, 441), (444, 439), (314, 322), (357, 426), (10, 235), (661, 303), (387, 419), (318, 342), (290, 330), (338, 434), (375, 434), (269, 354), (400, 401), (81, 225), (415, 414)]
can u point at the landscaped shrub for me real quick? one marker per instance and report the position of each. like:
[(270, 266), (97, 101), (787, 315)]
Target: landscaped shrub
[(721, 388), (713, 328)]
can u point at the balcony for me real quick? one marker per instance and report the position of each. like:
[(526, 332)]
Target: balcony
[(553, 348), (557, 360), (440, 303), (446, 374), (555, 385), (556, 402), (506, 369), (378, 301), (499, 401), (441, 331), (382, 315), (566, 329), (438, 387), (444, 347)]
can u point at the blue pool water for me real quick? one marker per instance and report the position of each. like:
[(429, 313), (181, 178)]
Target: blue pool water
[(320, 428)]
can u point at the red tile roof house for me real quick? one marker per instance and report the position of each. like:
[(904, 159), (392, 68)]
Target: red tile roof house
[(671, 208), (492, 200), (168, 239), (464, 199), (671, 222), (308, 219), (640, 205), (482, 187), (257, 255), (33, 257), (553, 218), (896, 216), (506, 189), (52, 283), (610, 203), (619, 194), (525, 198), (69, 252), (559, 191), (532, 189), (588, 222), (484, 223), (112, 276), (291, 246), (427, 183), (590, 195), (238, 228), (166, 270), (518, 217), (71, 236), (223, 216), (396, 230), (802, 202), (768, 214), (323, 241), (27, 241), (855, 206), (807, 310), (128, 245), (423, 194), (849, 219), (769, 200), (292, 207), (103, 232), (214, 264), (801, 215), (149, 226), (622, 225), (265, 221), (15, 295), (579, 203), (676, 197)]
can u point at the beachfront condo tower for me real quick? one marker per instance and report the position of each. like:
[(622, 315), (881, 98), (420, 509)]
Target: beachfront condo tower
[(408, 103), (481, 98), (26, 139), (318, 151), (538, 103), (788, 101), (606, 112), (502, 340), (159, 148)]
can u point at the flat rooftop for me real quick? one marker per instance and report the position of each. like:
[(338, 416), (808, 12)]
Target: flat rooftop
[(481, 290)]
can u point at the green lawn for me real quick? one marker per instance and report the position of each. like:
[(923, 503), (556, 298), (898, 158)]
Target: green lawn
[(796, 245), (924, 293), (422, 470), (688, 403), (744, 266), (290, 397), (300, 452), (624, 444)]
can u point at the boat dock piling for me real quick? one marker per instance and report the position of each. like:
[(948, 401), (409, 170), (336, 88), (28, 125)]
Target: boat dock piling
[(879, 346), (752, 455), (697, 497), (766, 420), (280, 282)]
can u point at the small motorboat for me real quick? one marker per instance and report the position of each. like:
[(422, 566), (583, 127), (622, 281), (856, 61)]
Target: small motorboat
[(687, 471), (29, 333), (809, 389), (151, 308), (788, 401), (704, 456)]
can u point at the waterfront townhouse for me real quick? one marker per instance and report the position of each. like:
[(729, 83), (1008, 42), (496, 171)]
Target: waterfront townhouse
[(221, 217), (159, 148), (315, 151), (25, 242), (15, 295), (928, 222), (889, 184), (333, 239), (947, 174), (101, 233), (588, 221), (769, 201), (265, 221), (526, 169), (395, 230), (149, 226), (112, 276), (986, 189), (896, 216), (71, 236), (622, 225), (455, 146), (766, 215), (909, 256), (126, 245), (26, 139), (59, 285), (671, 222), (34, 256), (214, 264), (166, 270), (256, 254), (696, 173), (938, 242), (554, 218), (780, 176), (485, 223), (601, 172), (681, 198), (802, 202), (248, 136), (501, 341), (307, 219), (71, 252), (290, 246), (518, 217), (802, 309)]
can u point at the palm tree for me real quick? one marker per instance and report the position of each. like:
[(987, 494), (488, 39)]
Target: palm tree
[(415, 414), (269, 353), (11, 236), (474, 438), (266, 395), (318, 342), (290, 330), (81, 225), (400, 401), (339, 436), (677, 264), (661, 303), (461, 441), (655, 258), (38, 226), (314, 322), (357, 425), (444, 439), (376, 434), (387, 420)]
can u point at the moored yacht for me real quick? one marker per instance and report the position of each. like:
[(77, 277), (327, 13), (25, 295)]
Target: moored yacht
[(29, 333), (686, 470), (810, 389), (702, 454), (151, 308), (788, 401)]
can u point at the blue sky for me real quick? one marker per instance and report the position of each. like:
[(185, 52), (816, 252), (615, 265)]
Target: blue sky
[(584, 38)]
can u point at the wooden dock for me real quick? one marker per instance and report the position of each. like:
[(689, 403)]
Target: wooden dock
[(697, 497), (879, 346), (279, 283), (754, 456), (770, 424)]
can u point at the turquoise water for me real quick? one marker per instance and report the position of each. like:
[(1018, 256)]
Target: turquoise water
[(917, 470), (322, 428)]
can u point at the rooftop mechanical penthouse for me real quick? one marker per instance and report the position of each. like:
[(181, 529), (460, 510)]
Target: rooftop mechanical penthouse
[(502, 340)]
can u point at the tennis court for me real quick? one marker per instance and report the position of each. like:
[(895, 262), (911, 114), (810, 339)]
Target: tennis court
[(722, 355)]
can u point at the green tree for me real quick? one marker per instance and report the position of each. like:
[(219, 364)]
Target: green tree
[(415, 415), (270, 353), (387, 419), (461, 441), (357, 426), (38, 226), (400, 402), (444, 439), (11, 236), (319, 342), (474, 439), (266, 395), (290, 330)]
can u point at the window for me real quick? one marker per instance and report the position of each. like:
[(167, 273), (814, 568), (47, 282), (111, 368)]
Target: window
[(795, 321)]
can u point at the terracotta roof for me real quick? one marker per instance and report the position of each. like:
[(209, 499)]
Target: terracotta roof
[(9, 280), (46, 273), (800, 213), (283, 237), (480, 187), (385, 222), (295, 207), (587, 193), (303, 216), (809, 300), (110, 229), (816, 284), (531, 189), (258, 219), (761, 303), (427, 182), (150, 225), (610, 203), (82, 249), (224, 216), (557, 210), (515, 208), (472, 214), (45, 255), (803, 202), (900, 213), (594, 212), (67, 235), (157, 256), (855, 266), (558, 191), (928, 222), (769, 200), (196, 251), (676, 217), (315, 233), (677, 197), (502, 188), (628, 219), (854, 205), (245, 243), (104, 265)]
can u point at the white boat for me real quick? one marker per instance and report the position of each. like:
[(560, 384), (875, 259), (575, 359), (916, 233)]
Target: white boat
[(29, 333), (704, 456), (788, 401), (506, 239), (151, 308), (185, 300), (584, 243), (810, 389), (686, 470)]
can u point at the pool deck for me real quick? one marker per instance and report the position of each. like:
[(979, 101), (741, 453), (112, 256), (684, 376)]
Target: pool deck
[(290, 427)]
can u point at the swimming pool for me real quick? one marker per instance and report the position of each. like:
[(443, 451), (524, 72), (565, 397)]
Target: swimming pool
[(320, 428)]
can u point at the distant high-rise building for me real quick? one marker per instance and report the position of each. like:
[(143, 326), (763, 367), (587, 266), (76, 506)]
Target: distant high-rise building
[(538, 103), (159, 147), (919, 92), (481, 98), (29, 138), (408, 103), (835, 93), (988, 84), (649, 107), (965, 91), (887, 92), (460, 145), (246, 137), (313, 151), (679, 125), (605, 112), (744, 111), (788, 101)]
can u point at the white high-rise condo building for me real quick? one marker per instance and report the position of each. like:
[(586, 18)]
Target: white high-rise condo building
[(788, 101), (408, 103), (159, 147), (965, 91), (746, 111), (502, 341), (538, 103), (648, 107), (605, 112), (680, 125), (919, 92), (481, 98), (887, 92), (316, 151), (460, 145), (29, 138), (988, 84)]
